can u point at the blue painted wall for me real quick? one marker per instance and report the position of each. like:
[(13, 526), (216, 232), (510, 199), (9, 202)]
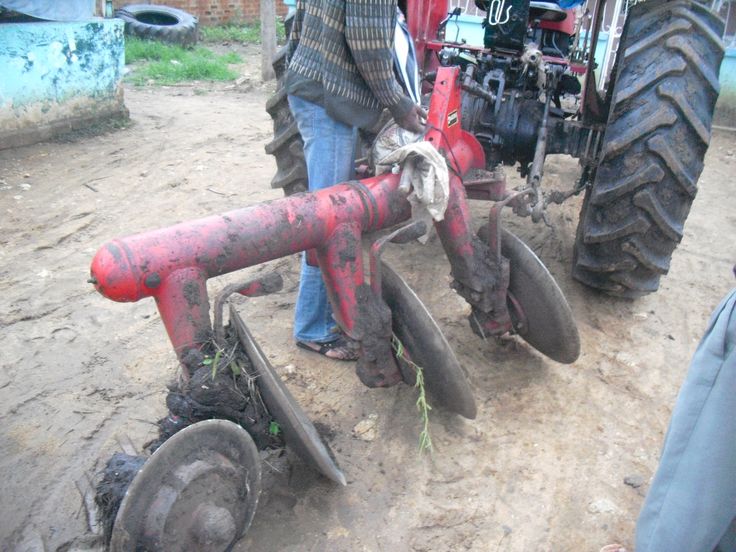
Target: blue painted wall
[(728, 71), (63, 70)]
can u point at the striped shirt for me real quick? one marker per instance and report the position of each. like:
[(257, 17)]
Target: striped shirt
[(340, 54)]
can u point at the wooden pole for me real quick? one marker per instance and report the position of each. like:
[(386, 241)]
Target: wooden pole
[(268, 38)]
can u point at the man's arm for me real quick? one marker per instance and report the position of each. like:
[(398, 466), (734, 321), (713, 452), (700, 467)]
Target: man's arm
[(369, 32)]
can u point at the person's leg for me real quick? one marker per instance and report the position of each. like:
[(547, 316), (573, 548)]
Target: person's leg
[(692, 500), (329, 148)]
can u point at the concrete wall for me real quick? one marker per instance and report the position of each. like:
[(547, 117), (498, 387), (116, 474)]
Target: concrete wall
[(58, 77)]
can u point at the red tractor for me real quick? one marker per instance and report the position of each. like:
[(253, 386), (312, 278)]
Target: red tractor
[(640, 129), (640, 133)]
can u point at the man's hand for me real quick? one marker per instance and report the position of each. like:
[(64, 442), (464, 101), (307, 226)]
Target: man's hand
[(414, 120)]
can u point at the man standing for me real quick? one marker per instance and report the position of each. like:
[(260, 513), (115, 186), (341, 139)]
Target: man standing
[(340, 78), (691, 504)]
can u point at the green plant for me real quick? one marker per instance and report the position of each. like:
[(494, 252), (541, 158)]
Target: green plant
[(425, 439), (170, 64), (231, 58), (138, 49), (244, 33), (235, 368), (209, 361)]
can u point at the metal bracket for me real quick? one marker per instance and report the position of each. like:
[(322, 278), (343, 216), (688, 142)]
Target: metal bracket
[(263, 285), (405, 234)]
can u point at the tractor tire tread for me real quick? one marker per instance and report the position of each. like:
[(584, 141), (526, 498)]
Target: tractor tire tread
[(287, 146), (658, 131)]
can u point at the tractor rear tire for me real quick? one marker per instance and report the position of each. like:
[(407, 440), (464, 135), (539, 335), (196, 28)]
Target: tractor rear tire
[(658, 131), (287, 145)]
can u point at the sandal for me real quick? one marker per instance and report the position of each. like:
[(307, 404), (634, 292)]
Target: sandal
[(342, 348)]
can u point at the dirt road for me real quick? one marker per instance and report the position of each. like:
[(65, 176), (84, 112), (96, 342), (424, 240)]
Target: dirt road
[(541, 468)]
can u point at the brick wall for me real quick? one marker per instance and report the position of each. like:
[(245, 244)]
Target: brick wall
[(216, 12)]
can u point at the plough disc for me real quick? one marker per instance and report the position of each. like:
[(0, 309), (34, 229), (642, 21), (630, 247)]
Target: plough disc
[(299, 432), (445, 380), (542, 315), (198, 491)]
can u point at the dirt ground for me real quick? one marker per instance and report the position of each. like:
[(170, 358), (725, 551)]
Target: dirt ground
[(541, 468)]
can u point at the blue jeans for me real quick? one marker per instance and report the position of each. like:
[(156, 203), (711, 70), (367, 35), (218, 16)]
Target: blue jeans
[(329, 150)]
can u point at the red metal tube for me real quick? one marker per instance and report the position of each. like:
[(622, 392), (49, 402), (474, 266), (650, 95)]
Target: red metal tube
[(131, 268), (444, 128), (456, 234), (173, 264), (343, 258), (185, 309)]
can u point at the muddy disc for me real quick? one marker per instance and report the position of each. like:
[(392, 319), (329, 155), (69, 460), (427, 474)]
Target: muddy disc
[(299, 432), (548, 324), (198, 491), (445, 380)]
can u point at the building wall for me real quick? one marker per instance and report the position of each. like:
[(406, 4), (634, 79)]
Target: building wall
[(216, 12), (58, 77)]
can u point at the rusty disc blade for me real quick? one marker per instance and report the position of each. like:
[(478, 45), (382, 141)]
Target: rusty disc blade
[(549, 324), (444, 378), (299, 432), (198, 491)]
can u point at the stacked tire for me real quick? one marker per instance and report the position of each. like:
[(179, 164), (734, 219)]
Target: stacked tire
[(160, 23)]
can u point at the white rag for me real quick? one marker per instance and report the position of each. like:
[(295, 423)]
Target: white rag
[(424, 173)]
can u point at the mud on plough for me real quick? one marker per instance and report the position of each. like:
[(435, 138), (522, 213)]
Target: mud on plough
[(509, 288), (492, 106)]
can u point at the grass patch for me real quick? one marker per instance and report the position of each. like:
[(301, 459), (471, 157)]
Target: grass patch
[(244, 33), (231, 57), (137, 49), (170, 64)]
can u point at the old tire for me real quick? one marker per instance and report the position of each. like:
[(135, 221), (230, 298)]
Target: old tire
[(160, 23), (652, 153), (287, 145)]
